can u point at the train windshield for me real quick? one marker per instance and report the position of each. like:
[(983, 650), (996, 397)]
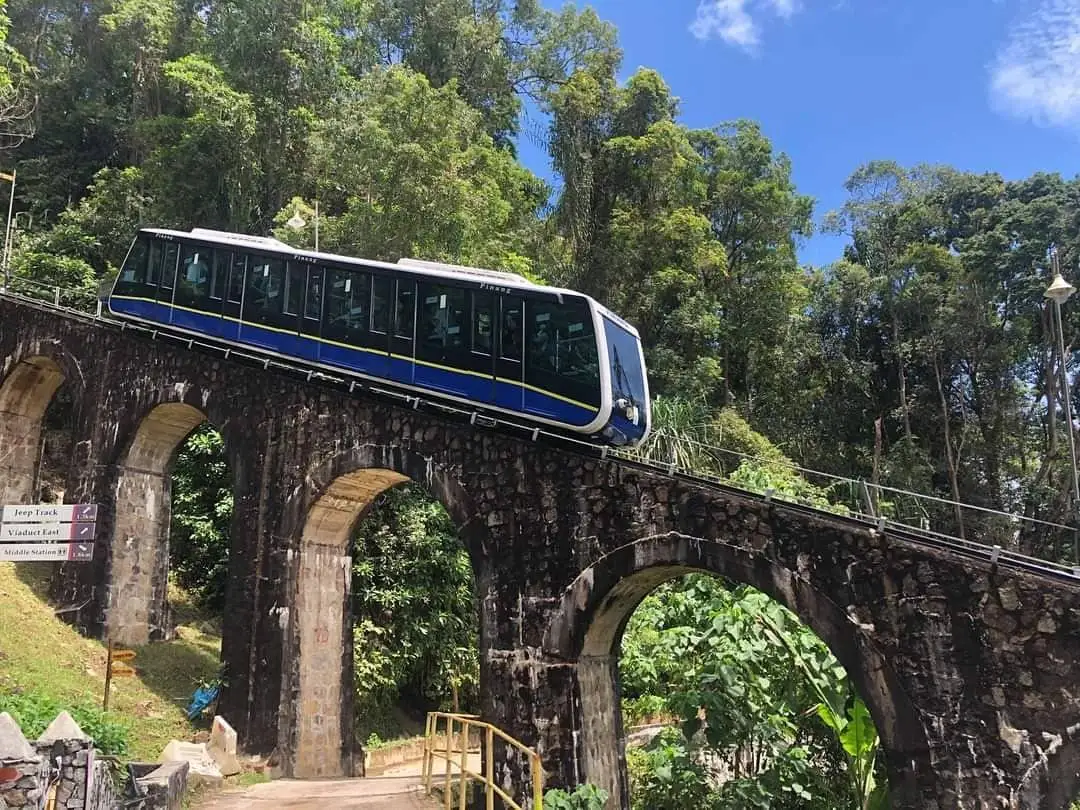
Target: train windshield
[(627, 370)]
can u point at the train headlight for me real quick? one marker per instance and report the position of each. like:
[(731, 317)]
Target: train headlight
[(629, 409)]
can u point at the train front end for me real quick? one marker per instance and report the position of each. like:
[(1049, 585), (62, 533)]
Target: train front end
[(629, 385)]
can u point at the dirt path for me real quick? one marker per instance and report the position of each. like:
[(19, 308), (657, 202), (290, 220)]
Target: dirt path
[(373, 793)]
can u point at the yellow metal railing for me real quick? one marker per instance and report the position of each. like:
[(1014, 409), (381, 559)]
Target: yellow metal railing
[(454, 736)]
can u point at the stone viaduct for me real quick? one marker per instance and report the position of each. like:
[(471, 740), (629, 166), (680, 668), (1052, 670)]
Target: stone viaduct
[(972, 672)]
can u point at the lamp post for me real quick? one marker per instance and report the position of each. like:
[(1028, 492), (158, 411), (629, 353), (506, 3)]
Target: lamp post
[(1059, 292), (296, 222)]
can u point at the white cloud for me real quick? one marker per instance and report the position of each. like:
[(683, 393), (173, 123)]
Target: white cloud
[(1036, 74), (785, 8), (731, 20)]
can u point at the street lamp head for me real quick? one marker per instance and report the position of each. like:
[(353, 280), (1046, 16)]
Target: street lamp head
[(296, 222), (1059, 290)]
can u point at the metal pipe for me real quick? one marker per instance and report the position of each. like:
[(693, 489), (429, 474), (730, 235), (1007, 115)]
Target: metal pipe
[(1069, 422)]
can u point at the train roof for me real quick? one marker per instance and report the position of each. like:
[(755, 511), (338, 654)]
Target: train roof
[(418, 266)]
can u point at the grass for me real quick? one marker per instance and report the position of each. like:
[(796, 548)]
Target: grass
[(42, 654)]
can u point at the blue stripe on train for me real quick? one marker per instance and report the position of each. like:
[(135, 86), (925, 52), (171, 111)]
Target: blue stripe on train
[(482, 390)]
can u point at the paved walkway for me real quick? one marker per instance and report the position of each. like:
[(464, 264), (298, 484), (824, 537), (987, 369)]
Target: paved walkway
[(398, 788), (372, 793)]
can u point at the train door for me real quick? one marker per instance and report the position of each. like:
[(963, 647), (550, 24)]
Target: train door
[(311, 312), (234, 266), (509, 374), (167, 278), (403, 331), (382, 289)]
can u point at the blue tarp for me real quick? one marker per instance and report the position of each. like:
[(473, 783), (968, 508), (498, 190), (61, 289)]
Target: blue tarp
[(203, 697)]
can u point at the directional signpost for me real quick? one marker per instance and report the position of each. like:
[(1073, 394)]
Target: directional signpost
[(55, 532), (115, 668)]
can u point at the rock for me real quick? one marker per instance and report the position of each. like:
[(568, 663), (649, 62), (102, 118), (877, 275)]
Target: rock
[(203, 767), (63, 727), (13, 745), (222, 736), (222, 746), (165, 785), (227, 763), (1047, 624), (1009, 599)]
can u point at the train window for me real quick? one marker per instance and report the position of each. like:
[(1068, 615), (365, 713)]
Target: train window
[(194, 278), (134, 270), (265, 289), (313, 301), (168, 266), (483, 305), (510, 331), (561, 355), (380, 304), (444, 317), (153, 267), (405, 317), (219, 273), (295, 275), (236, 278), (348, 297)]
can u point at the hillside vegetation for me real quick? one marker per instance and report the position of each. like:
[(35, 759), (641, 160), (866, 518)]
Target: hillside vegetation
[(46, 663)]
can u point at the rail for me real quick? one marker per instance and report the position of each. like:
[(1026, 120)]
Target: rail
[(455, 737), (910, 516)]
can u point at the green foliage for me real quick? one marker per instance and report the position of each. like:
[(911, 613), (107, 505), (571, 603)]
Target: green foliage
[(202, 155), (89, 241), (750, 684), (918, 360), (202, 506), (33, 711), (415, 616), (395, 140), (666, 776), (687, 433), (582, 797)]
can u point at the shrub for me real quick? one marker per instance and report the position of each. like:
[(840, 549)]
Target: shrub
[(584, 797), (33, 711)]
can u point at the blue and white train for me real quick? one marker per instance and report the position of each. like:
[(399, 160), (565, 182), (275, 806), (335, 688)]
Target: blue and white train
[(490, 340)]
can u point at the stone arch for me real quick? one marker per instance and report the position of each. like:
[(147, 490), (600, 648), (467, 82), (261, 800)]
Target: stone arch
[(25, 394), (588, 627), (317, 738), (136, 607)]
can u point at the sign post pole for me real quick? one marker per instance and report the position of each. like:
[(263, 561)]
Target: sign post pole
[(108, 677)]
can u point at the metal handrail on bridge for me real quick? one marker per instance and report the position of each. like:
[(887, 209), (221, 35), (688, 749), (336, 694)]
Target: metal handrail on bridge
[(455, 752)]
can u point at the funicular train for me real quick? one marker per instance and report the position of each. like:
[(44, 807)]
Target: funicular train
[(490, 340)]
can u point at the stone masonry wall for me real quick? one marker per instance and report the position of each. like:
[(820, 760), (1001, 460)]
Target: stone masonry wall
[(968, 669)]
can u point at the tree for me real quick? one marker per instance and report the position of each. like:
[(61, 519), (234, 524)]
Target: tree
[(415, 174), (202, 163), (632, 214), (756, 214), (769, 718), (202, 506), (494, 52)]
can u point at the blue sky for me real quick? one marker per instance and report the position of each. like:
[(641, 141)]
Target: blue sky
[(982, 85)]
